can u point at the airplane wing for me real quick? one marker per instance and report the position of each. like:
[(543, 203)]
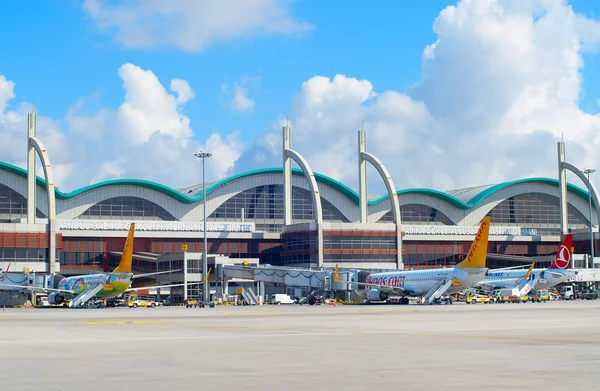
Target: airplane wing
[(140, 275), (155, 273), (171, 285), (161, 286), (492, 285), (557, 275), (35, 288)]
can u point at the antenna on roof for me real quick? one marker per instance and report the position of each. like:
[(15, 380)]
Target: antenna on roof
[(287, 120)]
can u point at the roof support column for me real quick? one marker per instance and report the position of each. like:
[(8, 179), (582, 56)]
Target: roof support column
[(362, 176), (563, 166), (287, 177), (389, 184), (562, 188), (288, 155), (49, 176)]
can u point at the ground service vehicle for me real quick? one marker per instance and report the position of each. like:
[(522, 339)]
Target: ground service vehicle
[(282, 298), (539, 296), (189, 303), (134, 303), (473, 299)]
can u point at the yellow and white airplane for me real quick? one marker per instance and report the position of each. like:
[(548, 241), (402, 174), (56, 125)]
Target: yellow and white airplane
[(103, 286), (429, 284)]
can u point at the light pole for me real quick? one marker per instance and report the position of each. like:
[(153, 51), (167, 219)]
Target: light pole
[(203, 156), (588, 171)]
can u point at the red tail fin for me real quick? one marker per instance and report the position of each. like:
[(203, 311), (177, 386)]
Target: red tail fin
[(563, 256)]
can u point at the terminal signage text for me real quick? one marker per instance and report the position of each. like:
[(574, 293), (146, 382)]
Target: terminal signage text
[(454, 230), (99, 225)]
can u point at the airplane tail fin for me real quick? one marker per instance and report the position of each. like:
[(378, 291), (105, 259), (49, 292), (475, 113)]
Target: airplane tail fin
[(526, 276), (127, 257), (476, 258), (562, 260), (207, 274)]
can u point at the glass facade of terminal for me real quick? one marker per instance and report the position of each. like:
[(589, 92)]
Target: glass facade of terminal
[(536, 210), (539, 211), (263, 205), (125, 208), (13, 205), (339, 246), (83, 252), (417, 214)]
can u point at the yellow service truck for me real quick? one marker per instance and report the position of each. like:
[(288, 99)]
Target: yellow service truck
[(540, 296)]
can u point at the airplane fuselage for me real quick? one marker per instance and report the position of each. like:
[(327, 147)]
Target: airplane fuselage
[(114, 284), (547, 278), (418, 283)]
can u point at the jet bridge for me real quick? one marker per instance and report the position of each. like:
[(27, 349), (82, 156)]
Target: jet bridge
[(277, 275)]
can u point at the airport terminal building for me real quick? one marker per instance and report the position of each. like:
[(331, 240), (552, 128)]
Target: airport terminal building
[(281, 216), (245, 220)]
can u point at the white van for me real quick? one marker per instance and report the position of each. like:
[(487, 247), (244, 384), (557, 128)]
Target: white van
[(281, 298)]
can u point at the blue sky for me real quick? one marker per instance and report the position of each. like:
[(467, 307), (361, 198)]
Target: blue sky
[(57, 54), (70, 59)]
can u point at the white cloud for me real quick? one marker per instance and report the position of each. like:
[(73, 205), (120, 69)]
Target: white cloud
[(183, 89), (191, 25), (6, 92), (241, 102), (237, 96), (224, 152), (146, 137), (500, 85)]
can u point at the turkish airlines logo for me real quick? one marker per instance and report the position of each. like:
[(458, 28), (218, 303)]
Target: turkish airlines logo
[(561, 261)]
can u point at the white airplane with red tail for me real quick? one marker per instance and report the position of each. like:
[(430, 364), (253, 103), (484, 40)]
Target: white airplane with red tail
[(559, 271), (429, 284)]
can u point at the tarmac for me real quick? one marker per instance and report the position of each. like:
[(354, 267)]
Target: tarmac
[(550, 346)]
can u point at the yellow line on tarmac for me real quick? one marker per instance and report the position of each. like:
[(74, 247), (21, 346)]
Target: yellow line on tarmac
[(119, 322)]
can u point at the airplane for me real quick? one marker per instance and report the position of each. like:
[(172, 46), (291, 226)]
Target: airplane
[(559, 271), (103, 286), (429, 284)]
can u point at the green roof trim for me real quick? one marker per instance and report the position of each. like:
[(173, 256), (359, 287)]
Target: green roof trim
[(334, 184), (130, 182), (352, 195), (429, 192), (578, 191), (478, 198), (345, 190)]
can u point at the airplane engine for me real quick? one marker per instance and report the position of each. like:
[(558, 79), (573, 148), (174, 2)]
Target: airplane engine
[(377, 295), (55, 298)]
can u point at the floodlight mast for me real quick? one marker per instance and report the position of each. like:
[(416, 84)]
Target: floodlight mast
[(204, 155)]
